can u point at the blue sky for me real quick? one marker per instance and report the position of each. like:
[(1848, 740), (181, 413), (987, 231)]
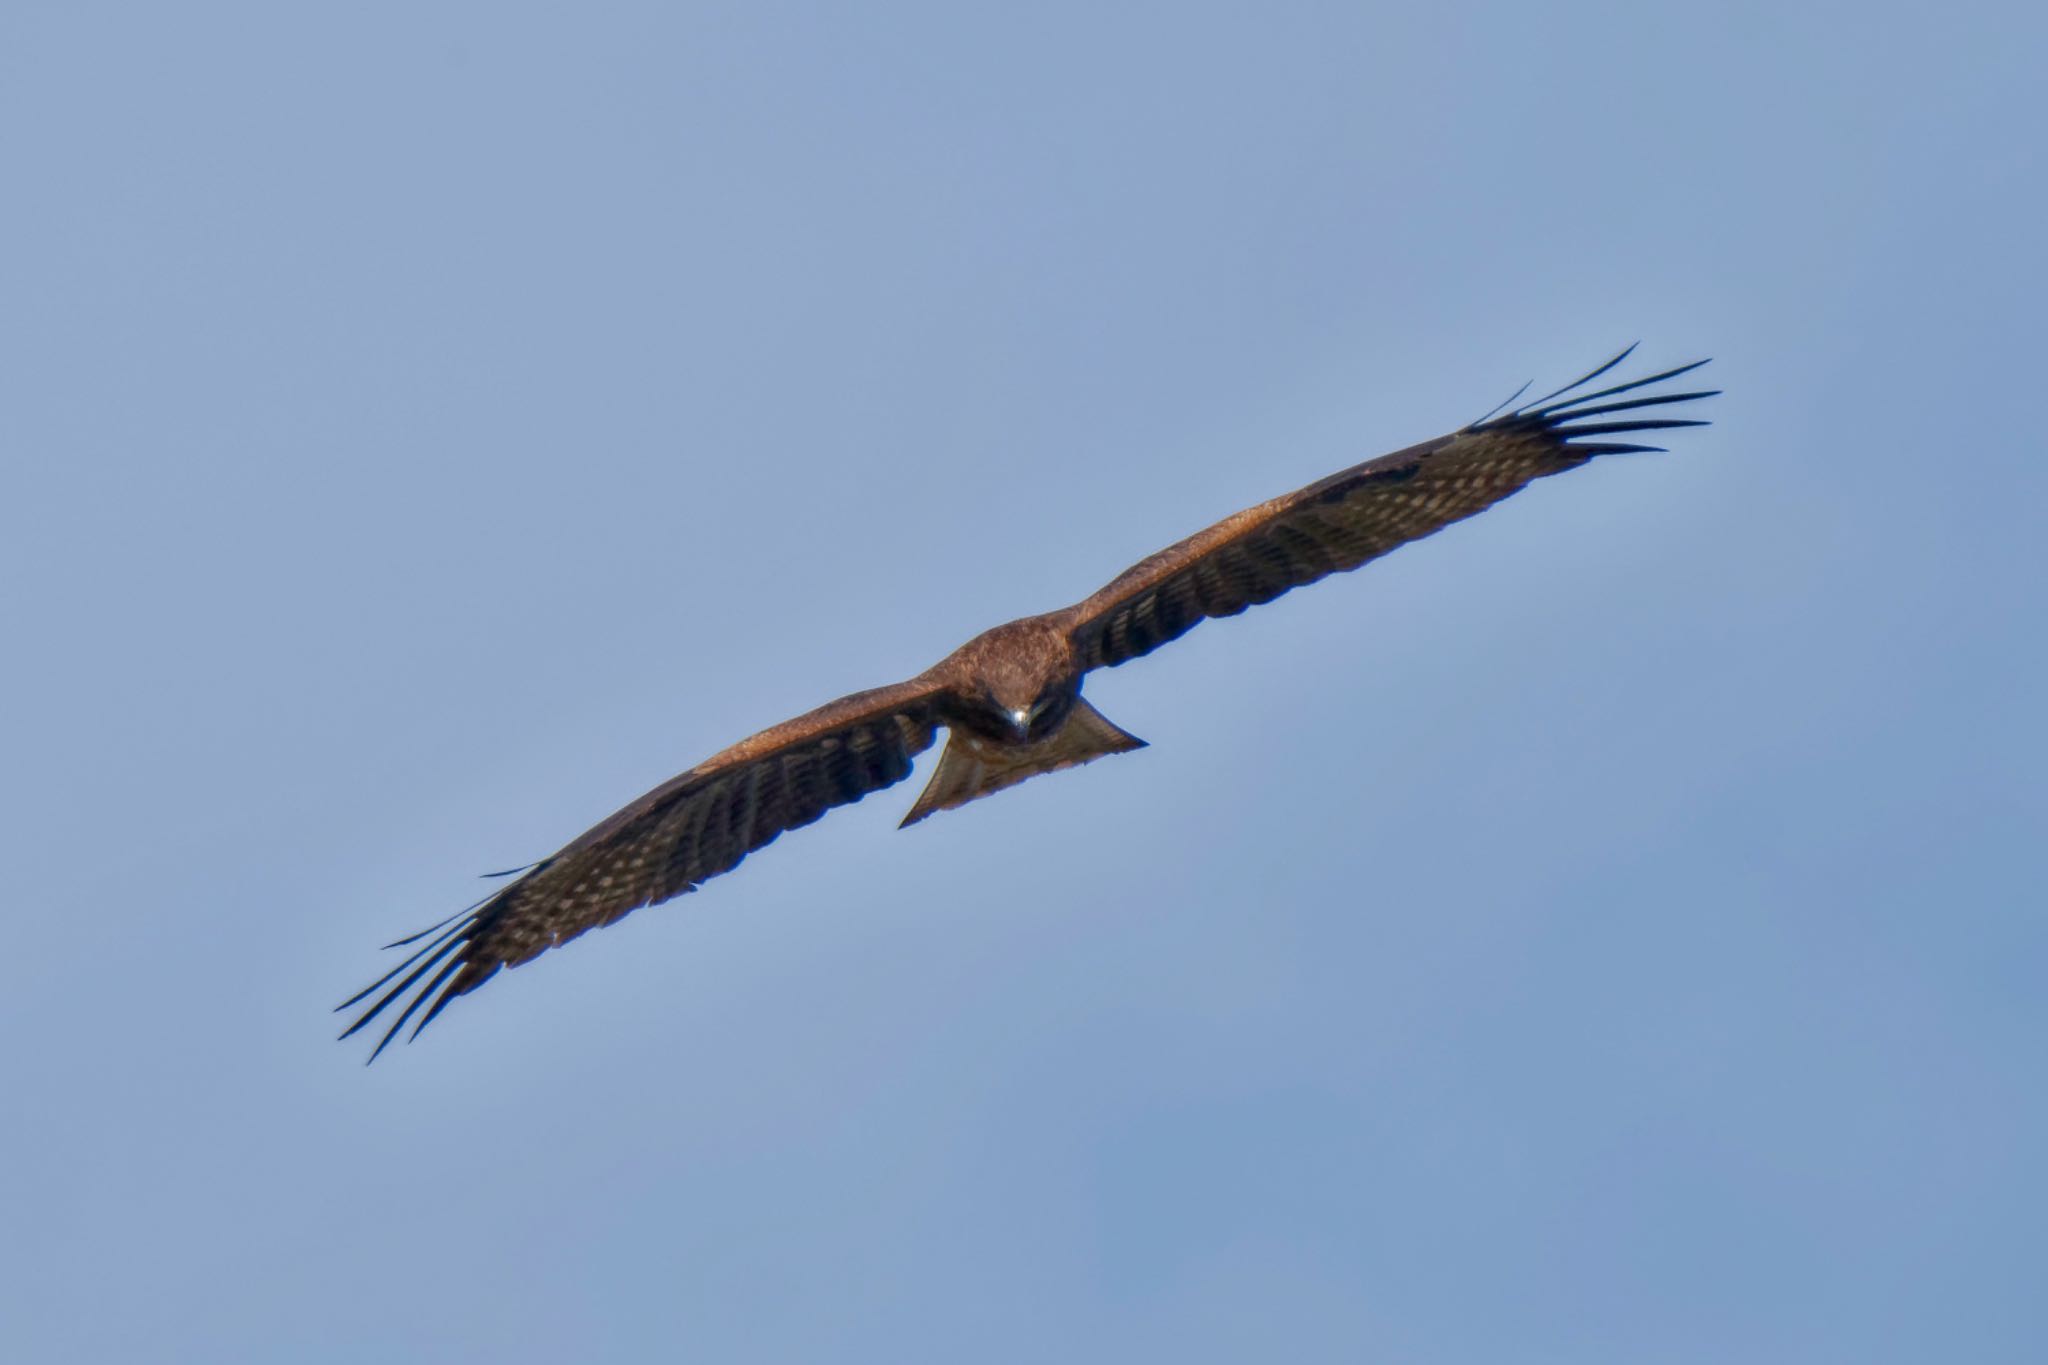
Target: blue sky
[(1610, 931)]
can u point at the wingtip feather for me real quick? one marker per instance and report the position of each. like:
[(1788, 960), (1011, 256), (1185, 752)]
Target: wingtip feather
[(1584, 379), (1561, 411), (1562, 415)]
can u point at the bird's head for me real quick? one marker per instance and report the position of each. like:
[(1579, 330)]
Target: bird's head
[(1038, 718), (1030, 710), (1028, 683)]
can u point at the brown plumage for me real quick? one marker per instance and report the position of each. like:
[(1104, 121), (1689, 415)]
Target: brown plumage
[(1010, 697)]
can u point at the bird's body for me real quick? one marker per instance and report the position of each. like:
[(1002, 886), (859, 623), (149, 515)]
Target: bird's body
[(1010, 698)]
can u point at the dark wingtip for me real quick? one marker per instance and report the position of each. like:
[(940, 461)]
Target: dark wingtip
[(1563, 418), (1584, 379), (463, 983), (1627, 404), (1495, 410), (1546, 408), (1627, 424), (444, 955), (1637, 424), (426, 992)]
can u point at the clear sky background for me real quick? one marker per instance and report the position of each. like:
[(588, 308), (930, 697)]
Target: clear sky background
[(1612, 930)]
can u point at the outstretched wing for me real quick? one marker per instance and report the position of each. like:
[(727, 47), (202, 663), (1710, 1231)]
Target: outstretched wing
[(1359, 514), (678, 835)]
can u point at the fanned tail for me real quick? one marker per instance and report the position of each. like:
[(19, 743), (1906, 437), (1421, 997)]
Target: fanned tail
[(973, 767)]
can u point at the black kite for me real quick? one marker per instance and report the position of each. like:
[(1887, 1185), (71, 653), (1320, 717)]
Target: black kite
[(1011, 697)]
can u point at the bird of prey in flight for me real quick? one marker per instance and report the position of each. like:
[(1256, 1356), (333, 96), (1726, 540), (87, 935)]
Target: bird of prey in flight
[(1010, 698)]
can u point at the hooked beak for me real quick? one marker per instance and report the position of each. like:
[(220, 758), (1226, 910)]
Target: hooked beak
[(1020, 721)]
